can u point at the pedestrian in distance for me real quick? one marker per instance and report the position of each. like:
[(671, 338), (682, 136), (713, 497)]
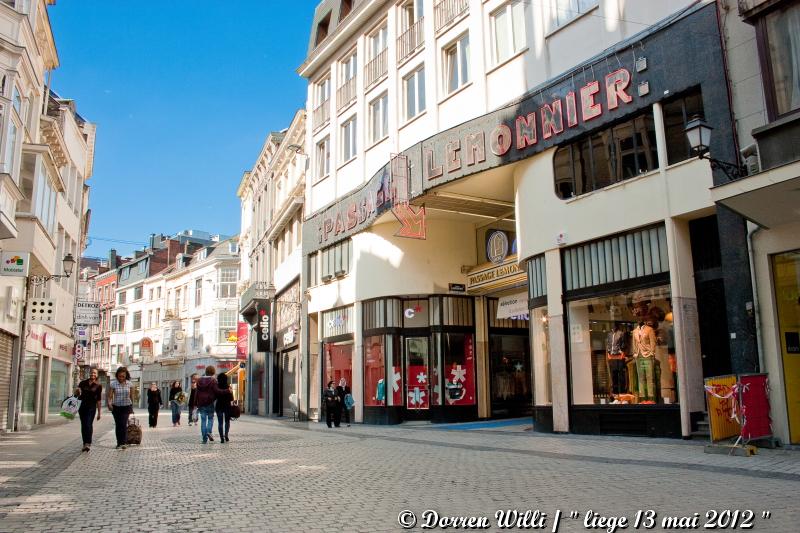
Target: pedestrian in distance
[(90, 392), (174, 404), (120, 404), (207, 391), (343, 391), (154, 403), (333, 407), (223, 406), (192, 399)]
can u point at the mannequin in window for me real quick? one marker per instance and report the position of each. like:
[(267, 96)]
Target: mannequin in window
[(615, 353), (644, 350), (380, 391)]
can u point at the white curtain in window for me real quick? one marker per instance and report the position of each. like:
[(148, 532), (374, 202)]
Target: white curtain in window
[(783, 34)]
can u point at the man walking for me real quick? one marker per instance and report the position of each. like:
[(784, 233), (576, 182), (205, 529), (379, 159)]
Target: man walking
[(207, 391), (91, 394)]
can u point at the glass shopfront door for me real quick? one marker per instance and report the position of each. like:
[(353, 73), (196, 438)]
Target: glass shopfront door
[(418, 379)]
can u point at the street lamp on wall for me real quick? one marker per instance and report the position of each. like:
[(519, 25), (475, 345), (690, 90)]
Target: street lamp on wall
[(68, 264), (698, 133)]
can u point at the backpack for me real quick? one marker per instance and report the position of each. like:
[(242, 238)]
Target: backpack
[(349, 402)]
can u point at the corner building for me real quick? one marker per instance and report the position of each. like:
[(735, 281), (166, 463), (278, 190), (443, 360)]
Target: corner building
[(502, 209)]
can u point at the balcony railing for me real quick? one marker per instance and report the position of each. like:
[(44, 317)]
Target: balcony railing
[(346, 94), (446, 11), (376, 68), (321, 114), (410, 40)]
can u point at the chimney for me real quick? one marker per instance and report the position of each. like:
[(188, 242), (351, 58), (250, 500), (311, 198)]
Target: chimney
[(153, 241), (112, 258)]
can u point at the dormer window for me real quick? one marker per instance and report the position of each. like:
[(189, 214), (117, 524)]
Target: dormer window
[(322, 29)]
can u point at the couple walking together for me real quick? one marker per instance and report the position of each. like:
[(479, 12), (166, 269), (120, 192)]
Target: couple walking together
[(214, 396)]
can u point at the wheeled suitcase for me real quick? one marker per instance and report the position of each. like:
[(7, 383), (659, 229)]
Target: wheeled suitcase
[(134, 432)]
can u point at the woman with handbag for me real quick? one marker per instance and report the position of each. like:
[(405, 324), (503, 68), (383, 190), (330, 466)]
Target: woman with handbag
[(120, 404), (174, 404), (223, 406)]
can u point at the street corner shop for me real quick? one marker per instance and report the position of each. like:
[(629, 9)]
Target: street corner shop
[(614, 237)]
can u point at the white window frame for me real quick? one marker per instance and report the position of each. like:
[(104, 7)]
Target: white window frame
[(420, 105), (378, 40), (453, 57), (512, 40), (379, 118), (226, 321), (322, 91), (228, 277), (323, 158), (348, 68), (348, 139), (410, 12), (562, 12)]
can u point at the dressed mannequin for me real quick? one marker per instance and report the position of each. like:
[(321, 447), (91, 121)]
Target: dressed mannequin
[(615, 353), (380, 391), (644, 351)]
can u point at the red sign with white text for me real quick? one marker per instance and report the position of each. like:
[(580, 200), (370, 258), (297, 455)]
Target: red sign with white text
[(241, 341)]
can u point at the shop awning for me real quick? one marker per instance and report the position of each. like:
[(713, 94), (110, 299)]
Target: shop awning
[(513, 305), (769, 199)]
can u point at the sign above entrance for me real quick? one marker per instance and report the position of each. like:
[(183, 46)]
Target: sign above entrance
[(490, 276), (497, 246), (14, 264), (515, 305), (87, 313)]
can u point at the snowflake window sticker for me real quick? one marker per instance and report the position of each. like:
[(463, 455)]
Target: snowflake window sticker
[(422, 378), (459, 374), (416, 397), (396, 377)]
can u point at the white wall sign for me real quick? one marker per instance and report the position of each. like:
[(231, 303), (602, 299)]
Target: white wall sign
[(14, 264), (87, 313), (515, 305), (42, 311)]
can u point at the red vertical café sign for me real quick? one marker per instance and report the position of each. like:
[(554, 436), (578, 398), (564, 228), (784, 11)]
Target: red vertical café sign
[(241, 341)]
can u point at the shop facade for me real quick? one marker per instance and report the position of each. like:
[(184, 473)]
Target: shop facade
[(47, 368), (616, 239), (287, 351)]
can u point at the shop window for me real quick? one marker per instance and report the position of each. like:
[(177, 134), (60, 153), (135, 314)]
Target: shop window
[(415, 313), (622, 348), (786, 276), (451, 311), (677, 113), (611, 155), (540, 342), (375, 386), (458, 357), (338, 363), (779, 40), (59, 374), (537, 277), (510, 372), (383, 313)]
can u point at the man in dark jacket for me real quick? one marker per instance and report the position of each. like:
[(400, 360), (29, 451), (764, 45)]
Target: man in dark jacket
[(193, 399), (207, 391), (333, 405), (342, 391)]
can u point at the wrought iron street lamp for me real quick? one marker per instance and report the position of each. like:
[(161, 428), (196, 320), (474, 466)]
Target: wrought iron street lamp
[(68, 265), (698, 133)]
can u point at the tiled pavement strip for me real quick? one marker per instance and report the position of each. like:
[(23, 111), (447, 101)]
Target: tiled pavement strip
[(277, 476)]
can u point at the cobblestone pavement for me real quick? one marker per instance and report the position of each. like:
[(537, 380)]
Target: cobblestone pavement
[(280, 476)]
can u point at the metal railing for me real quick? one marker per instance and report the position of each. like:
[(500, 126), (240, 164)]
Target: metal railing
[(410, 40), (346, 94), (321, 114), (376, 68), (446, 11)]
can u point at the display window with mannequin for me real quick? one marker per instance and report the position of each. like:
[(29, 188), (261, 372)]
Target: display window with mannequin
[(622, 348)]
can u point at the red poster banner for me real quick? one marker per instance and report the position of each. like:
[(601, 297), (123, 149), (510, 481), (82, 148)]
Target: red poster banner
[(241, 341), (756, 423)]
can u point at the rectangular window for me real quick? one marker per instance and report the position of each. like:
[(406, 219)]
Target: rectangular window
[(563, 11), (374, 371), (377, 41), (336, 260), (781, 42), (121, 297), (348, 68), (323, 158), (508, 30), (198, 292), (456, 61), (313, 270), (197, 338), (323, 91), (143, 266), (150, 295), (347, 138), (622, 349), (150, 318), (158, 292), (228, 276), (379, 118), (414, 89), (410, 12), (677, 114), (120, 323), (138, 293), (226, 326), (177, 300), (11, 143), (137, 320), (158, 316)]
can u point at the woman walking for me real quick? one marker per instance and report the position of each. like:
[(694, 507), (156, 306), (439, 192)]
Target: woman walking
[(193, 400), (223, 407), (91, 394), (120, 404), (174, 404), (154, 403)]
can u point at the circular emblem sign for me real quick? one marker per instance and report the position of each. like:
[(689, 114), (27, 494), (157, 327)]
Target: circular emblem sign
[(497, 247)]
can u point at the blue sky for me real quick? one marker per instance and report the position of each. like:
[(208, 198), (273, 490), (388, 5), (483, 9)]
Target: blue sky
[(183, 93)]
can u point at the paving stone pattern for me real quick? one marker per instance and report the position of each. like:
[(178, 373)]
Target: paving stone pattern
[(277, 476)]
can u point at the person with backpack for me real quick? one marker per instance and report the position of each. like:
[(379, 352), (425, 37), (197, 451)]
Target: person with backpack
[(207, 392), (223, 407), (346, 402)]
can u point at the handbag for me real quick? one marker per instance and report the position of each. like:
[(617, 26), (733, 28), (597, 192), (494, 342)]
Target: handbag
[(69, 407), (349, 402), (235, 410)]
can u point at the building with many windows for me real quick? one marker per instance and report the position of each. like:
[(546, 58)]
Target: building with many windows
[(504, 215), (272, 196)]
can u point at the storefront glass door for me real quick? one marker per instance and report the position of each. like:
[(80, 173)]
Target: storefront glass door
[(786, 272), (418, 381), (510, 375)]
